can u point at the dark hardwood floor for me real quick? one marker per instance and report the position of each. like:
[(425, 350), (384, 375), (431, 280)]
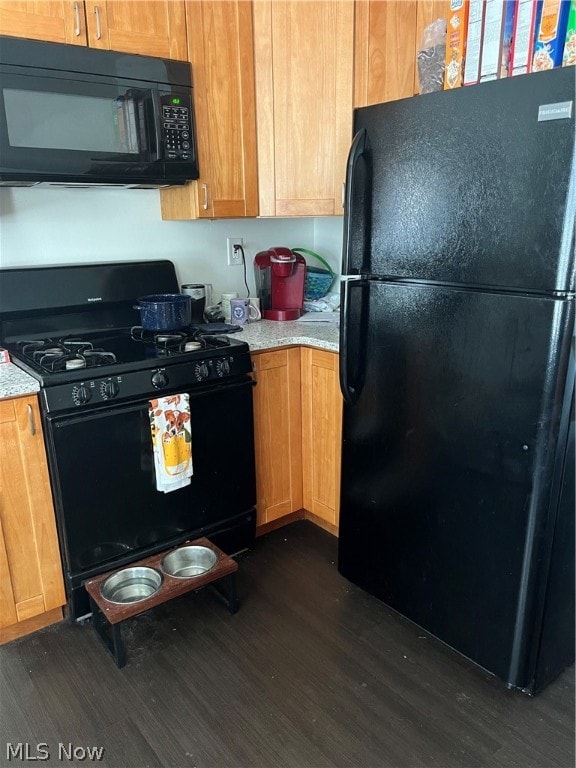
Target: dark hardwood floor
[(311, 672)]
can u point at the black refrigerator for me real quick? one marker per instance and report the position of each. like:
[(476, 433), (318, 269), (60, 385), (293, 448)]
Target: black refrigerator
[(457, 369)]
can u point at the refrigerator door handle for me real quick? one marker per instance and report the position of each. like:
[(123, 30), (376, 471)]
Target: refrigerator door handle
[(351, 389), (357, 150)]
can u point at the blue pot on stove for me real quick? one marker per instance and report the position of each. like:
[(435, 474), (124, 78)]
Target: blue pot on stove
[(164, 311)]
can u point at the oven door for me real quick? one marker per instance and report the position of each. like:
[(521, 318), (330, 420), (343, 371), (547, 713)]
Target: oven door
[(108, 508), (85, 130)]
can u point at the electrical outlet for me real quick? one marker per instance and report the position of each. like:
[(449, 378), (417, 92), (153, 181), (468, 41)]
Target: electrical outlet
[(234, 256)]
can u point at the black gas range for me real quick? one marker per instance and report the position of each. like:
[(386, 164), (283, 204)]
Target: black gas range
[(74, 328), (96, 368)]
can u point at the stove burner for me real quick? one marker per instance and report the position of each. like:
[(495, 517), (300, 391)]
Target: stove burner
[(75, 362)]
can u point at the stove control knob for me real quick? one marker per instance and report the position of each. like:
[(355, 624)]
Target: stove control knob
[(109, 389), (159, 380), (223, 367), (81, 394), (201, 371)]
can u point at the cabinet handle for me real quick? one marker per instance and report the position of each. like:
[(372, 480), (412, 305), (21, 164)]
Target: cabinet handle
[(205, 193), (98, 25), (77, 30), (31, 424), (343, 193)]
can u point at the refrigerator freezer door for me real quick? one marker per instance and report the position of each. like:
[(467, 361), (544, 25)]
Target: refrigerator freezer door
[(470, 187), (447, 464)]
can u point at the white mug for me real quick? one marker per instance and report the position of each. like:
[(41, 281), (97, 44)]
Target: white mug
[(225, 301), (241, 311)]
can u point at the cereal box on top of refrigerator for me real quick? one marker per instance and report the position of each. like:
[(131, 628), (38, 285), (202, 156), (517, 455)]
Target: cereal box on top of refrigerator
[(473, 42), (569, 58), (456, 43), (550, 35), (523, 37)]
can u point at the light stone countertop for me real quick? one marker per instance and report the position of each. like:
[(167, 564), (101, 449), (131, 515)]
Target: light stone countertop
[(268, 334), (14, 382)]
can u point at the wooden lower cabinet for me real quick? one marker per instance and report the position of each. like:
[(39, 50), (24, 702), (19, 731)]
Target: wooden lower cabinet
[(321, 435), (278, 433), (298, 432), (31, 584)]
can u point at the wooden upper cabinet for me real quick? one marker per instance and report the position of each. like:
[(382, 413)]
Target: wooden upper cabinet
[(147, 27), (387, 39), (385, 54), (304, 92), (57, 21), (220, 48)]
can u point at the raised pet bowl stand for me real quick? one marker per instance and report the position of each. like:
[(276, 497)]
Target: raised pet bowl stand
[(107, 617)]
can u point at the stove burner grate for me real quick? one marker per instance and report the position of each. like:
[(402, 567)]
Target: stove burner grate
[(171, 342), (53, 355)]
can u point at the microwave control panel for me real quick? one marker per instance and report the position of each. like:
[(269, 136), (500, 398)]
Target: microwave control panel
[(177, 127)]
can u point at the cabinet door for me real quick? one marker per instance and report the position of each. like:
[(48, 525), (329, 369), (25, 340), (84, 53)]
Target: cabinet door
[(321, 434), (30, 559), (385, 51), (147, 27), (278, 433), (304, 92), (220, 49), (427, 12), (57, 21)]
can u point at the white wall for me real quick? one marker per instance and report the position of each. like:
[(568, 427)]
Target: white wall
[(63, 226)]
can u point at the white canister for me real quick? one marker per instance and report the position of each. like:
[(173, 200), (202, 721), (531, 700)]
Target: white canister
[(225, 302)]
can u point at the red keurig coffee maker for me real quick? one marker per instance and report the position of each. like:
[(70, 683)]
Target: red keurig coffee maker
[(280, 276)]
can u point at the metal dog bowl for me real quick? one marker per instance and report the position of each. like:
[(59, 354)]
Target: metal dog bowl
[(130, 585), (185, 562)]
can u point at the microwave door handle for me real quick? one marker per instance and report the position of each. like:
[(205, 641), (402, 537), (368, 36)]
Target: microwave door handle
[(140, 126), (156, 128)]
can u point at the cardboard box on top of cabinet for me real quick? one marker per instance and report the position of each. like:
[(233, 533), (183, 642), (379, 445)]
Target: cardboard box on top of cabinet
[(456, 43), (523, 37), (569, 59), (550, 34)]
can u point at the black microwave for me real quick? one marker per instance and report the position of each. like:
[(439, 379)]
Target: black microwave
[(76, 116)]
